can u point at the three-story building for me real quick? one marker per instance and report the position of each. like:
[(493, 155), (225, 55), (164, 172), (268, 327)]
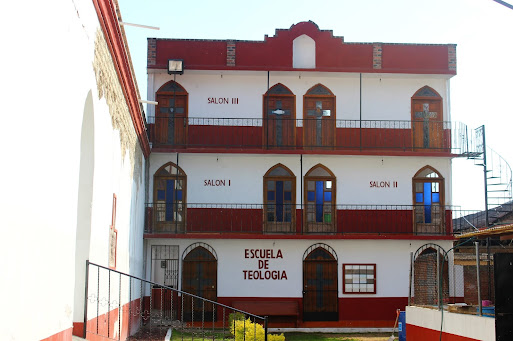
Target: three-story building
[(300, 169)]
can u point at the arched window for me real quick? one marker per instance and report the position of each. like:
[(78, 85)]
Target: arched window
[(279, 117), (320, 284), (427, 120), (279, 200), (319, 118), (428, 200), (426, 275), (320, 191), (171, 115), (169, 195)]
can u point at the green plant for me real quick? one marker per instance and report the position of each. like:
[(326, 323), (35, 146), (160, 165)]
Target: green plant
[(235, 317), (248, 330)]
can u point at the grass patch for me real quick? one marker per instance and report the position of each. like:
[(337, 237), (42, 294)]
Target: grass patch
[(316, 337), (177, 335)]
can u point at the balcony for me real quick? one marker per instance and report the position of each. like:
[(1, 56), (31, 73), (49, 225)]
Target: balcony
[(257, 135), (259, 219)]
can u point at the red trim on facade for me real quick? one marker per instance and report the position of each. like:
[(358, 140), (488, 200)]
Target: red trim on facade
[(105, 326), (350, 223), (368, 236), (65, 335), (115, 40), (354, 312), (244, 150), (424, 334), (78, 329), (332, 54), (349, 141)]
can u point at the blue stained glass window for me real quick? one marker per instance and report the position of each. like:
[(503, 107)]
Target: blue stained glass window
[(311, 196), (179, 195), (427, 202), (279, 200), (319, 189), (270, 195), (427, 193), (419, 197), (161, 194), (287, 196), (327, 196), (170, 188), (436, 197)]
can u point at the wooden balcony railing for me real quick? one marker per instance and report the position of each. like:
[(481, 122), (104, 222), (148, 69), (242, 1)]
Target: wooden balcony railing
[(346, 219), (309, 135)]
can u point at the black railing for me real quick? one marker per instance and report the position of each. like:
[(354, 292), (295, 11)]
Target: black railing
[(120, 306), (293, 220), (309, 134)]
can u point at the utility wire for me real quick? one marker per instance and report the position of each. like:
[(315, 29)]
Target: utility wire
[(504, 4), (441, 280)]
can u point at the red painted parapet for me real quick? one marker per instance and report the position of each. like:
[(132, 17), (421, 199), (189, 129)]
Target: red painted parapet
[(250, 219), (332, 54), (350, 136)]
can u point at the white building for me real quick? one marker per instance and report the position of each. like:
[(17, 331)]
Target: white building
[(300, 169), (79, 147)]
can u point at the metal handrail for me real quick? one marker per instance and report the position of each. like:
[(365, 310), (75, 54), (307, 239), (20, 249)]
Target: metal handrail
[(161, 287)]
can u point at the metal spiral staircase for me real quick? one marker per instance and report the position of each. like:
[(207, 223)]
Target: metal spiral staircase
[(497, 175)]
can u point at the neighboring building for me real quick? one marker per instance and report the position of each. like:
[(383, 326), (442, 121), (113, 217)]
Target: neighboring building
[(73, 177), (301, 168)]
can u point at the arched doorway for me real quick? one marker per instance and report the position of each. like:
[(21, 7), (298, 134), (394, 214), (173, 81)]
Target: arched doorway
[(320, 284), (279, 117), (428, 200), (171, 115), (319, 118), (427, 120), (199, 277), (279, 200), (430, 284), (84, 207)]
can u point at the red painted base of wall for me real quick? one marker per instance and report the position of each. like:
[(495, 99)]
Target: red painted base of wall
[(423, 334), (353, 312), (65, 335), (106, 326)]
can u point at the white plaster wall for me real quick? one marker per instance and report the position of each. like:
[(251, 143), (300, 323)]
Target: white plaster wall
[(383, 96), (392, 259), (470, 326), (353, 173), (40, 178)]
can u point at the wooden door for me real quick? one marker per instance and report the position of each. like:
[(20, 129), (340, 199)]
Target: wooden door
[(320, 286), (427, 120), (279, 122), (200, 279), (319, 122), (171, 120)]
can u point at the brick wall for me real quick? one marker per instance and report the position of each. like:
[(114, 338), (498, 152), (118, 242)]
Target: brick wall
[(470, 284), (152, 51), (452, 57), (230, 53), (425, 279), (377, 54)]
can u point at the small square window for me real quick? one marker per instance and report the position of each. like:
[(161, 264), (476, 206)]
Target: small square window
[(359, 278)]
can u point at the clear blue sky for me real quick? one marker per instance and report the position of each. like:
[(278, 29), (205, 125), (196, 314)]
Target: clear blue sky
[(481, 93)]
